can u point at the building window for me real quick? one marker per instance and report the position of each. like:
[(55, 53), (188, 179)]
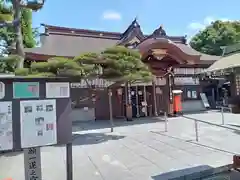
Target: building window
[(188, 71), (194, 94), (190, 93)]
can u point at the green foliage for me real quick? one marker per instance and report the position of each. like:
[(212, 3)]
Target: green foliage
[(22, 72), (218, 34), (43, 74), (6, 17), (9, 64), (27, 30), (39, 67), (87, 58), (89, 64), (124, 64), (7, 34), (56, 66), (116, 63)]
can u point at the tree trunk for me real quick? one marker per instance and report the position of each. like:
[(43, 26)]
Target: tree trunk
[(18, 33)]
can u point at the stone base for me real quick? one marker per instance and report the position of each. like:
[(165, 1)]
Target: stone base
[(236, 109)]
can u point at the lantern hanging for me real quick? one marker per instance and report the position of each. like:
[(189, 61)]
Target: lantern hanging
[(33, 4), (119, 91)]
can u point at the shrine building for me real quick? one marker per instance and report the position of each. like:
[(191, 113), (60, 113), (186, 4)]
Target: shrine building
[(160, 51)]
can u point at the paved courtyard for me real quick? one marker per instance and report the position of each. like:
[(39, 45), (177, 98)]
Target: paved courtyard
[(138, 150), (230, 120)]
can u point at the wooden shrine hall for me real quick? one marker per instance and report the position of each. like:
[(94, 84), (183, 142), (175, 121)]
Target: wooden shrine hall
[(174, 63)]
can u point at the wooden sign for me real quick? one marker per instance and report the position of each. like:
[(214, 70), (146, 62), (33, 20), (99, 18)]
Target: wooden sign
[(204, 100), (159, 52)]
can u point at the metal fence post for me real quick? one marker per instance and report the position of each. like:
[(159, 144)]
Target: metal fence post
[(222, 116), (165, 121), (110, 108), (196, 129)]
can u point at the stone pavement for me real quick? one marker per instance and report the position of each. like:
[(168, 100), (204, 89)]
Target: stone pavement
[(230, 120), (217, 137), (133, 152)]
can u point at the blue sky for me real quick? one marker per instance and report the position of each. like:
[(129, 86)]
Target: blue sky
[(178, 17)]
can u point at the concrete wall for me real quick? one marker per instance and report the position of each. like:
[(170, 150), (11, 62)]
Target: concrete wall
[(193, 106), (83, 114)]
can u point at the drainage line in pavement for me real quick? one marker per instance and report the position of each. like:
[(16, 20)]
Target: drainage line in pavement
[(90, 159)]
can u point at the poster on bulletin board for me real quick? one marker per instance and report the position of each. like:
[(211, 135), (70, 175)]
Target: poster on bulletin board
[(6, 132), (25, 90), (38, 123), (57, 90)]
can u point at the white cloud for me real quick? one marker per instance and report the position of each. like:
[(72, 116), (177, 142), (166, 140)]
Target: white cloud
[(195, 27), (206, 21), (201, 25), (111, 15)]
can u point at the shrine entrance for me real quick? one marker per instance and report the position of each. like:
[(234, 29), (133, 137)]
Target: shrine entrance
[(161, 55)]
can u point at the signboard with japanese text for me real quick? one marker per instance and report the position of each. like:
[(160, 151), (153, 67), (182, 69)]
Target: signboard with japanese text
[(204, 100), (57, 90), (38, 123), (29, 120), (23, 90), (6, 130), (32, 163), (2, 90)]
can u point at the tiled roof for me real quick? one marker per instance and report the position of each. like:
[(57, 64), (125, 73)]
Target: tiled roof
[(189, 50), (231, 61), (67, 45), (70, 42)]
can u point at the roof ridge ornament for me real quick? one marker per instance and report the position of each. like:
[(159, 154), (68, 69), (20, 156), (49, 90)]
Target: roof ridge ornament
[(160, 32), (135, 22)]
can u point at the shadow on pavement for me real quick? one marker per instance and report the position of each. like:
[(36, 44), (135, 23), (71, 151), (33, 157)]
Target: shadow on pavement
[(102, 124), (93, 138), (203, 172), (234, 125), (10, 153)]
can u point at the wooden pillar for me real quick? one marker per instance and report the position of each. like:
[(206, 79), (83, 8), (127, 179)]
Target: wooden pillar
[(129, 102), (126, 98), (137, 102), (154, 97), (145, 99), (170, 85)]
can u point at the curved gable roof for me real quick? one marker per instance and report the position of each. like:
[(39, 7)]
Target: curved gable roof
[(183, 50)]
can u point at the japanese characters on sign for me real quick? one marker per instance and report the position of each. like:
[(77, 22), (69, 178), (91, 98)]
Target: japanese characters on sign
[(38, 123), (32, 161), (6, 133)]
